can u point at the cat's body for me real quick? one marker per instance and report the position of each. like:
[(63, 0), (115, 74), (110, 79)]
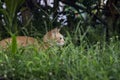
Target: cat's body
[(51, 38)]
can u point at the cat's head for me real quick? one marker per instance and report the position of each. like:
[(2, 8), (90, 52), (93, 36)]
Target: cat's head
[(54, 37)]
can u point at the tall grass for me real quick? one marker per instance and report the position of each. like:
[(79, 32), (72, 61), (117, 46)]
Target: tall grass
[(86, 61), (98, 61)]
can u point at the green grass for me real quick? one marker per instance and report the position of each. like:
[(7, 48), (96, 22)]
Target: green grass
[(99, 61), (85, 61)]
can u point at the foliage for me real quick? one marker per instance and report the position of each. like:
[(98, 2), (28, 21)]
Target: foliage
[(86, 54), (10, 15), (99, 61), (29, 16)]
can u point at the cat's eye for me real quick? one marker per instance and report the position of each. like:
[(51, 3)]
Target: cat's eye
[(60, 38)]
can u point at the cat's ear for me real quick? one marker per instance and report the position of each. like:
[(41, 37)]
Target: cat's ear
[(56, 30)]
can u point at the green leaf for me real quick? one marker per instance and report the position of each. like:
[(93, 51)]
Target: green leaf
[(13, 6), (14, 44)]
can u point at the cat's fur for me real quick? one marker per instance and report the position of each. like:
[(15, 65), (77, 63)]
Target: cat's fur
[(51, 38)]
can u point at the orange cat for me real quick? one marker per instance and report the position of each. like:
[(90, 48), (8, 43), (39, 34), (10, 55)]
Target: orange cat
[(51, 38)]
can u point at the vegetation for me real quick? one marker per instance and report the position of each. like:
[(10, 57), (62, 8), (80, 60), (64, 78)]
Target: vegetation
[(99, 61), (92, 44)]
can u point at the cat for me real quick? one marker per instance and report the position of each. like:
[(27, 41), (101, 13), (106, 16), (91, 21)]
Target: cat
[(51, 38)]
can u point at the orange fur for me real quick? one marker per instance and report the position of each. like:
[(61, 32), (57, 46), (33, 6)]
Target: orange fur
[(21, 41), (51, 38)]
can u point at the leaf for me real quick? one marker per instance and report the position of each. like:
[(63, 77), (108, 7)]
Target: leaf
[(4, 12), (14, 44), (12, 6)]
